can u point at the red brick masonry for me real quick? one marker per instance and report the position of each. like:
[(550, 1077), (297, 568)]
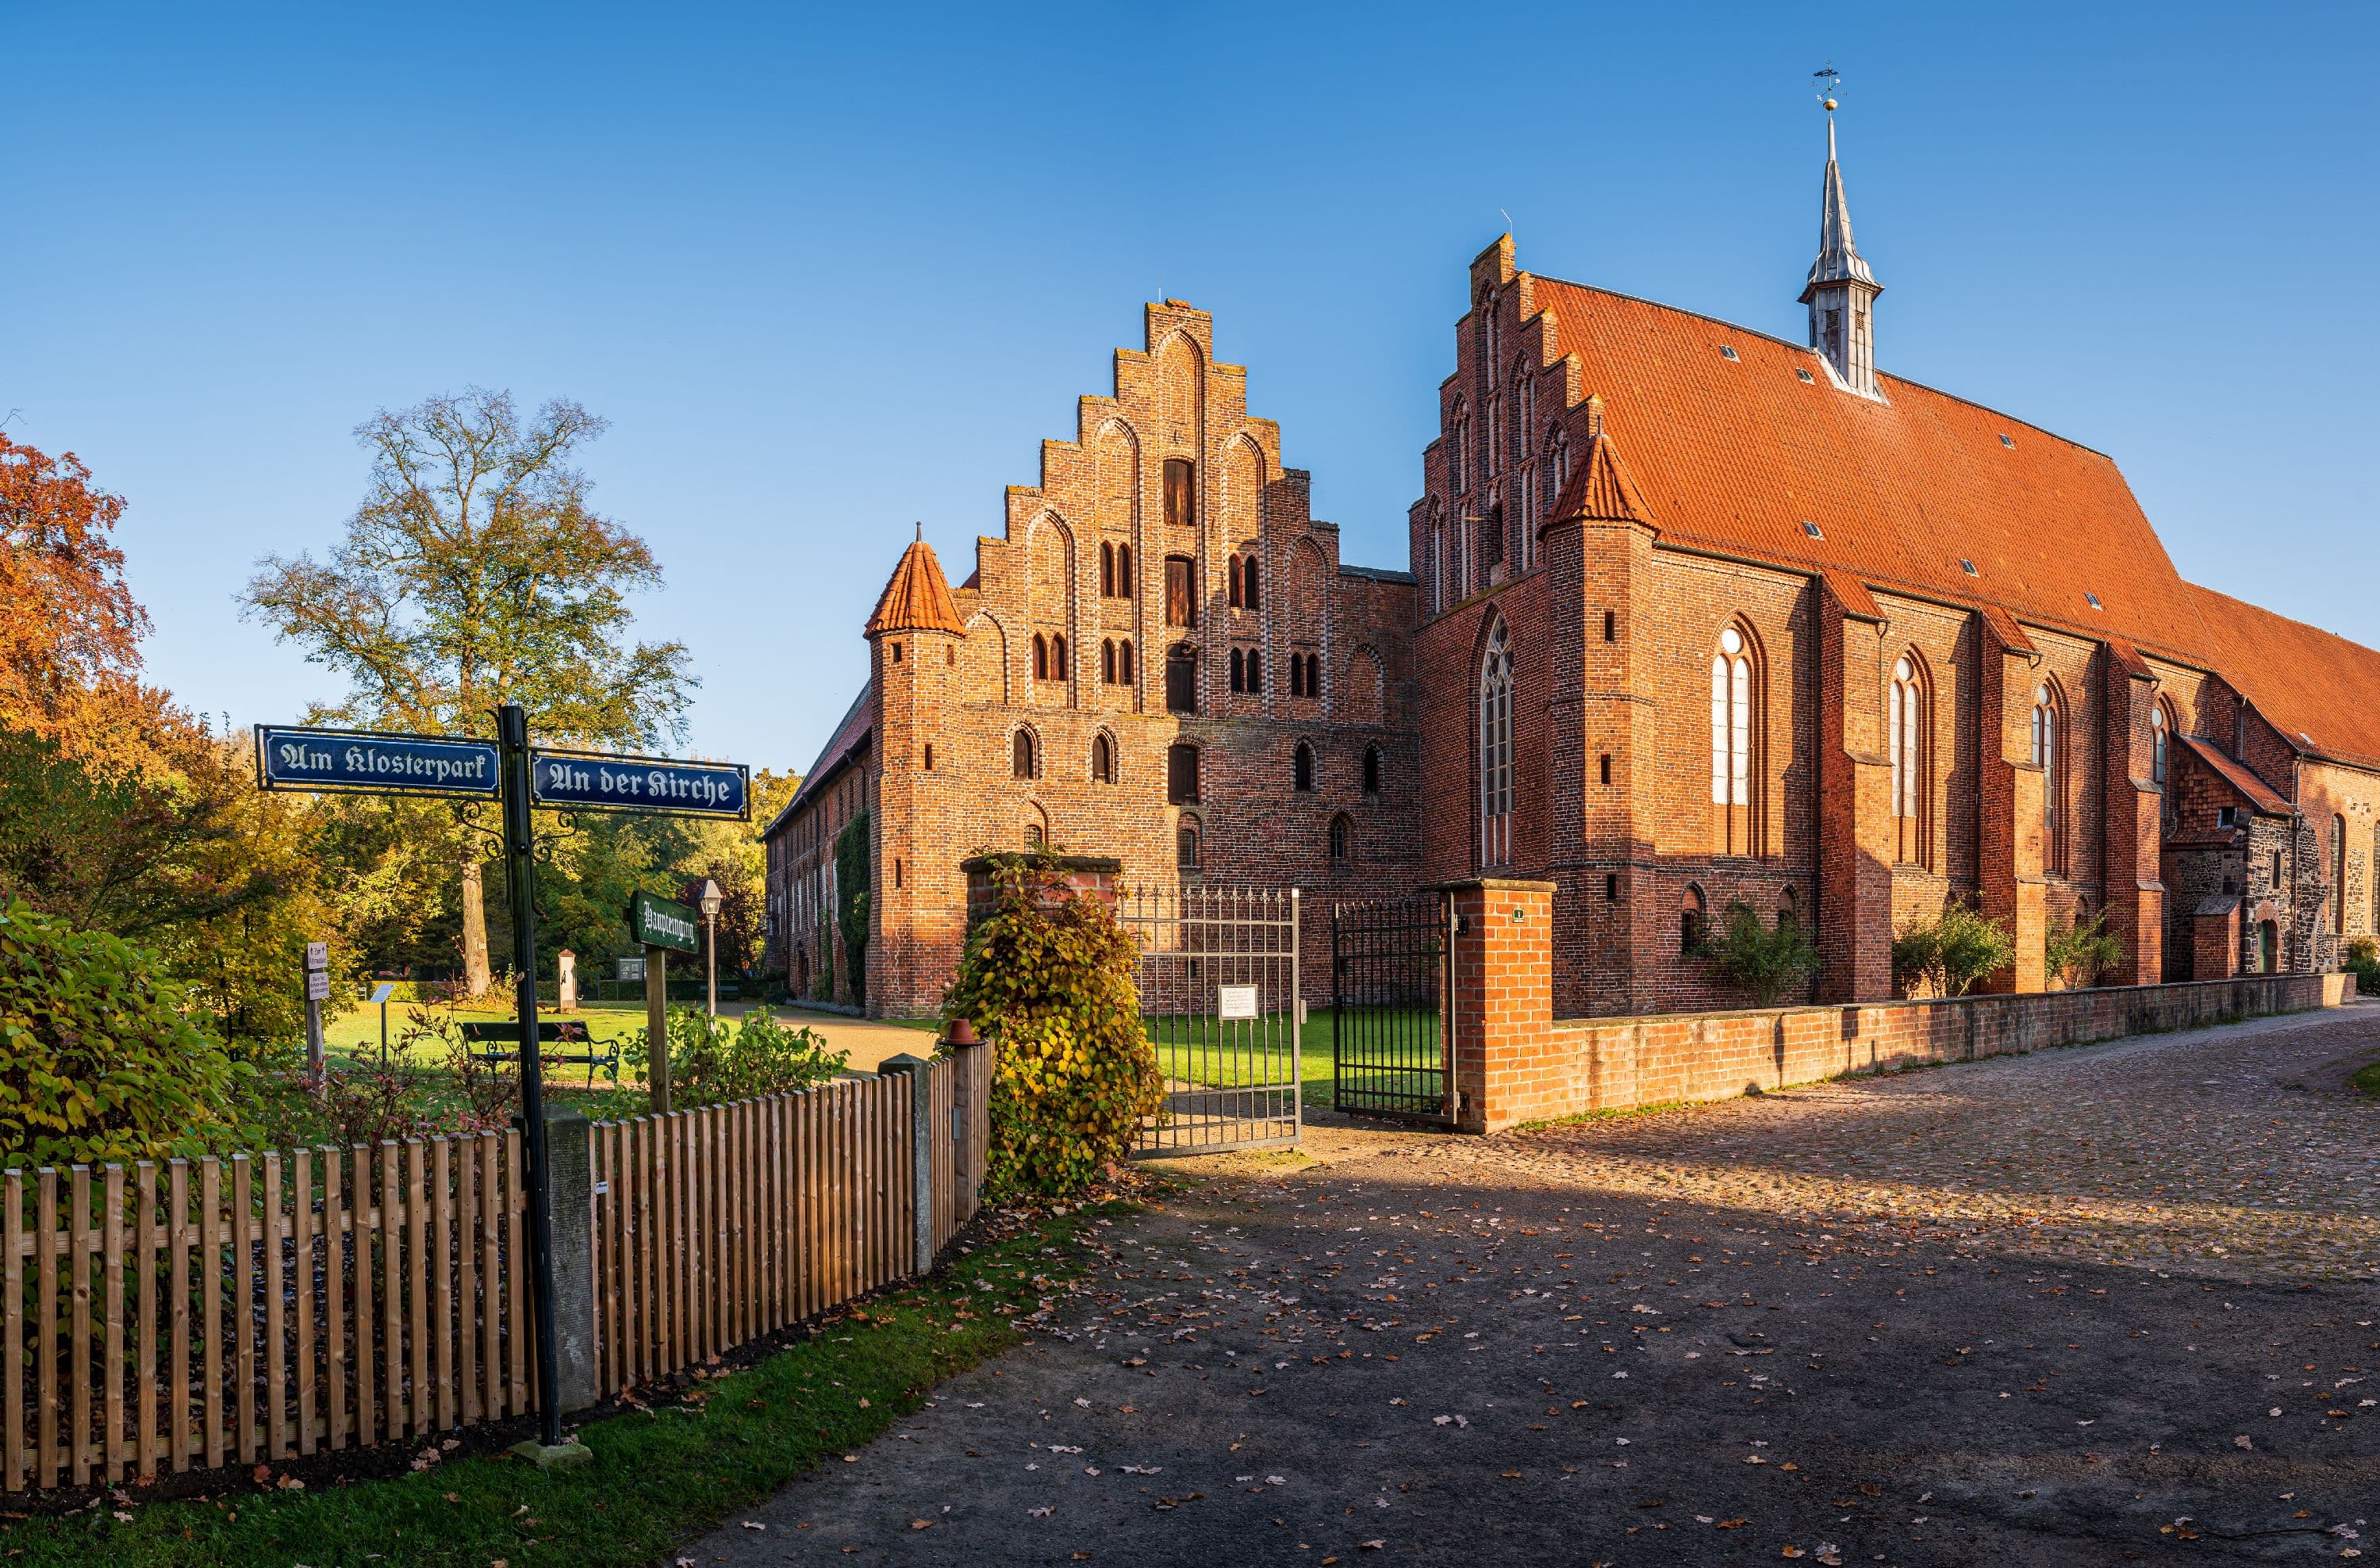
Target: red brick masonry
[(1515, 1065)]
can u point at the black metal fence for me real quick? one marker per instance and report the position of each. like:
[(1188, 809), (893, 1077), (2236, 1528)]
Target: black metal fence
[(1218, 978), (1392, 1050)]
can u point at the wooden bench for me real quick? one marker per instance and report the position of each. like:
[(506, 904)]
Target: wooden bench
[(482, 1041)]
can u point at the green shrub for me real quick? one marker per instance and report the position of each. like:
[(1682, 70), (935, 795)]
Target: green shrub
[(1951, 952), (99, 1060), (2362, 959), (1047, 980), (1767, 961), (714, 1061), (2078, 952)]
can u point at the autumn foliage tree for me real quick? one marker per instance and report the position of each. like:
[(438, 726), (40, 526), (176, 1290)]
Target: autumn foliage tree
[(475, 572)]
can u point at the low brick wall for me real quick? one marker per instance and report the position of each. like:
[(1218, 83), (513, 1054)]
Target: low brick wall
[(1616, 1063)]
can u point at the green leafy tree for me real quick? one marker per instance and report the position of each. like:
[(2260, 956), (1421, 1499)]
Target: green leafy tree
[(2079, 951), (1952, 951), (475, 572), (1767, 961), (100, 1057), (1047, 979)]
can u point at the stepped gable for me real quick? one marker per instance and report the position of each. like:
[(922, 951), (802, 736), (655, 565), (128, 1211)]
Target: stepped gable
[(1734, 454), (2314, 686), (918, 598)]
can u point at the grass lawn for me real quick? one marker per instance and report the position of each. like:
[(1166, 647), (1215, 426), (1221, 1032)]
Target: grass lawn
[(659, 1475), (2368, 1079), (1181, 1057)]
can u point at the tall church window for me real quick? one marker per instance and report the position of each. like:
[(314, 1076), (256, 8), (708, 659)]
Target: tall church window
[(1103, 759), (1342, 838), (2158, 728), (1256, 671), (1458, 433), (1181, 591), (1371, 770), (1180, 774), (1735, 773), (1231, 578), (1041, 658), (1693, 916), (1909, 725), (1491, 538), (1123, 571), (1181, 493), (1185, 847), (1124, 663), (1057, 658), (1108, 661), (2339, 875), (1252, 590), (1025, 756), (1239, 675), (1181, 681), (1496, 753), (2049, 720), (1106, 570), (1301, 768)]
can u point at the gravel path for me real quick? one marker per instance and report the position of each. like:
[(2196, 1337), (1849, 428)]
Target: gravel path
[(2102, 1304)]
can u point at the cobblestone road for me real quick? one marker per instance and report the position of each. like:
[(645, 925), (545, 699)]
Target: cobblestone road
[(2103, 1304)]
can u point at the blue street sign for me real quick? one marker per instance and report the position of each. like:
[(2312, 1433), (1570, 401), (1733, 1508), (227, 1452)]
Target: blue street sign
[(638, 784), (290, 757)]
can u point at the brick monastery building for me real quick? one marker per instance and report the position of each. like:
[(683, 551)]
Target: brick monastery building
[(1695, 616)]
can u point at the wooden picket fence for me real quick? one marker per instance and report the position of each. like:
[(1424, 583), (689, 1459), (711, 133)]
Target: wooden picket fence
[(192, 1314)]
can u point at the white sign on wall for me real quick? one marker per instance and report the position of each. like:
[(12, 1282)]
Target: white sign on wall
[(1235, 1001)]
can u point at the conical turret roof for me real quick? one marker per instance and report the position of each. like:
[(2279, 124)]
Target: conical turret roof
[(918, 597)]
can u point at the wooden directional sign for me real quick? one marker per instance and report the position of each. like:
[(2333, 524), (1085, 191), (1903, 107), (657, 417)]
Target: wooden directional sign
[(656, 922), (293, 758), (582, 781)]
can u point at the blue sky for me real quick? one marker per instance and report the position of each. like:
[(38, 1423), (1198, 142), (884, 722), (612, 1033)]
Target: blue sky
[(829, 271)]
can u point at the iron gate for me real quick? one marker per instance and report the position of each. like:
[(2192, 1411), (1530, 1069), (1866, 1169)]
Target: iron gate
[(1392, 1052), (1218, 978)]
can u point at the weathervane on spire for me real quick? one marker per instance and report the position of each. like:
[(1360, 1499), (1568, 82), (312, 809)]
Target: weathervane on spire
[(1833, 78)]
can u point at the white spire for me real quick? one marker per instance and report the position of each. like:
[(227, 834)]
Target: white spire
[(1842, 291)]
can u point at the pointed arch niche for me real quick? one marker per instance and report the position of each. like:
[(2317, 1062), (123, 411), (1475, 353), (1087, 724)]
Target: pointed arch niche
[(1738, 743)]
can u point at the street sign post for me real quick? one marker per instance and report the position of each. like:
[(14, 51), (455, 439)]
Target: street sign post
[(508, 771), (318, 991), (665, 928)]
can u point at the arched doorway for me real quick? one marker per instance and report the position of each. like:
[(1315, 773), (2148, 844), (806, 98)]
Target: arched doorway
[(2268, 947)]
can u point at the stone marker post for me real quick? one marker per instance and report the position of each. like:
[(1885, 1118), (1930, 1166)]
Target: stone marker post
[(570, 1175), (921, 1153), (565, 975)]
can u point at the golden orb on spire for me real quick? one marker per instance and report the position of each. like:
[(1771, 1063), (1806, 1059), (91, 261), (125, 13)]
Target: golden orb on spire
[(1831, 105)]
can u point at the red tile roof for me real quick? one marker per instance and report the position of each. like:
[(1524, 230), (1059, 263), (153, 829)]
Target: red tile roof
[(1736, 454), (840, 748), (918, 597), (2262, 796), (2320, 690)]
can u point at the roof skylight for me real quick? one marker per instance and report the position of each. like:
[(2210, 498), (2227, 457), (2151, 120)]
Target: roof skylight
[(1808, 379), (1727, 351), (2008, 441), (1811, 529), (1968, 566), (2094, 599)]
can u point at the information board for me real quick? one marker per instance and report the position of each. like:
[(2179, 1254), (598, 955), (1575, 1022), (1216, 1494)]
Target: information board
[(656, 922)]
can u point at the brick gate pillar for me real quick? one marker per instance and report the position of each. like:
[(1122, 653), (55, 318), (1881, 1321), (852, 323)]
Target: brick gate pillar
[(1500, 1001)]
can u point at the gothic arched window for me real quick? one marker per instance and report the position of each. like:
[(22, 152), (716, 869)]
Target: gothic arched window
[(1496, 753), (2159, 729), (1106, 570), (1735, 737), (2048, 755), (1025, 756), (1231, 578), (1255, 670), (1909, 726), (1694, 914), (1180, 774), (1301, 768), (1103, 759), (1239, 671), (1124, 663), (1253, 590), (1057, 658), (1108, 661), (1123, 571), (1371, 770), (1041, 658), (1342, 838)]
